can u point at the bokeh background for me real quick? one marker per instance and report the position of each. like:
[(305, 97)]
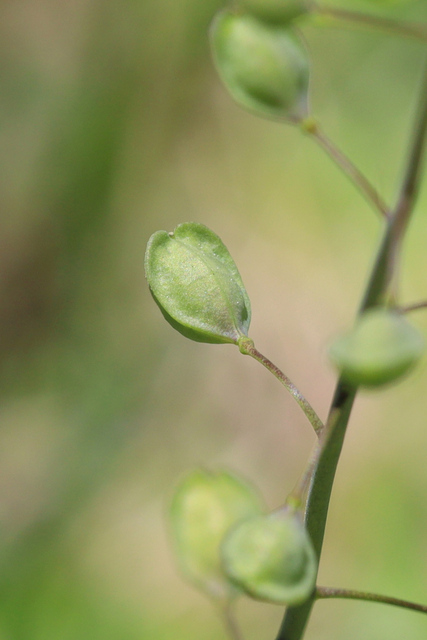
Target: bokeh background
[(113, 125)]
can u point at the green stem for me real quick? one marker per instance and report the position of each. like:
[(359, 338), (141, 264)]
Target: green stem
[(230, 623), (247, 348), (323, 593), (377, 22), (296, 618), (299, 494), (311, 127)]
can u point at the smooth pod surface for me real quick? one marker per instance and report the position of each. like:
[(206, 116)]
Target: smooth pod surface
[(204, 507), (197, 285), (381, 348), (271, 558), (265, 68)]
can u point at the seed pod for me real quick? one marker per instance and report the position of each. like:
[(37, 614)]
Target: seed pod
[(196, 284), (204, 507), (381, 348), (265, 68), (271, 558), (276, 12)]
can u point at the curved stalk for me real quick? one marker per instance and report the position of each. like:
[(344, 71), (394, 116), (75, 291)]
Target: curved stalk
[(247, 348), (354, 18), (230, 623), (299, 494), (323, 593), (296, 618), (413, 307), (360, 181)]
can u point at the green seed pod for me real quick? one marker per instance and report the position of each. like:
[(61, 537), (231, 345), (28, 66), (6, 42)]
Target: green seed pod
[(196, 284), (265, 68), (271, 558), (275, 12), (381, 348), (204, 508)]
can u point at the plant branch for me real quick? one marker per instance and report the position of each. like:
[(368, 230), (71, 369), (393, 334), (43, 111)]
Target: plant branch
[(310, 127), (377, 22), (296, 618), (248, 348), (323, 593)]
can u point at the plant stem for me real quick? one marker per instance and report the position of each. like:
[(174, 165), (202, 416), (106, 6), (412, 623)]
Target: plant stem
[(230, 623), (299, 493), (323, 593), (377, 22), (311, 127), (413, 307), (296, 618), (249, 349)]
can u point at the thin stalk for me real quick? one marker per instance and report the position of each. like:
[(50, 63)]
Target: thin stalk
[(396, 27), (230, 622), (413, 307), (296, 618), (363, 185), (323, 593), (298, 496), (248, 348)]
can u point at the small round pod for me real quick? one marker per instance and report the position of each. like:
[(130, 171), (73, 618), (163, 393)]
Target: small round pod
[(276, 12), (271, 558), (196, 284), (265, 68), (204, 507), (380, 349)]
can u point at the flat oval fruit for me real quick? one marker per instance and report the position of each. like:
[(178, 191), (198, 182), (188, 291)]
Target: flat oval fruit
[(381, 348), (197, 285), (264, 67), (204, 507), (271, 558)]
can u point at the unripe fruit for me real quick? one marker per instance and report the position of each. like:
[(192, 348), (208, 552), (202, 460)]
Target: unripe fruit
[(275, 12), (265, 68), (381, 348), (271, 558), (196, 284), (204, 507)]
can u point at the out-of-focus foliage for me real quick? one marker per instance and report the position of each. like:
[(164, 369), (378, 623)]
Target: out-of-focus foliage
[(204, 508), (113, 124), (264, 67), (381, 348)]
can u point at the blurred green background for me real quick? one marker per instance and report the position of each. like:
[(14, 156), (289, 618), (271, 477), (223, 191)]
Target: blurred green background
[(113, 125)]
